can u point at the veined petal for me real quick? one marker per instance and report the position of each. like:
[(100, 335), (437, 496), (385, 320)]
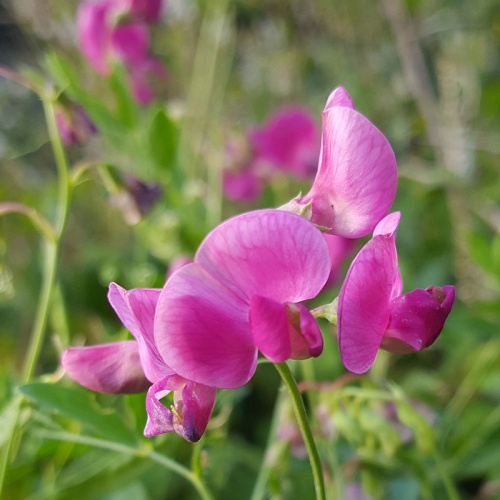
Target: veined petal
[(189, 414), (363, 308), (109, 368), (202, 331), (136, 310), (270, 253), (357, 176), (339, 97), (417, 319)]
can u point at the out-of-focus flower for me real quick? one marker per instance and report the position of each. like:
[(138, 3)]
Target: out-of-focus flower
[(243, 294), (133, 366), (116, 31), (74, 123), (136, 198), (289, 141), (339, 248), (372, 312), (357, 175)]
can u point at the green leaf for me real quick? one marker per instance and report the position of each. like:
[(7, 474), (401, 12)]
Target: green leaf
[(163, 135), (80, 405)]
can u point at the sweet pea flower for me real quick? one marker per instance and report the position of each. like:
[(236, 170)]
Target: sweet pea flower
[(289, 141), (116, 31), (133, 366), (372, 311), (339, 248), (357, 175), (242, 294)]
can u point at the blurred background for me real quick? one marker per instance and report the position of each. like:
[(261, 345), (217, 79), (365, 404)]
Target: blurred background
[(425, 72)]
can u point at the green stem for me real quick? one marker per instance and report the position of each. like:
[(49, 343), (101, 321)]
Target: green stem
[(144, 452), (300, 413), (51, 255)]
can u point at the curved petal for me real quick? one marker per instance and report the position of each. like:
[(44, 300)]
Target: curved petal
[(357, 177), (308, 341), (417, 319), (363, 307), (136, 310), (202, 331), (192, 408), (271, 253), (339, 97), (109, 368)]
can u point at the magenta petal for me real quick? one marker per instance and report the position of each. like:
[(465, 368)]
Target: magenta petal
[(357, 177), (136, 310), (145, 10), (94, 33), (202, 331), (141, 75), (270, 253), (270, 328), (388, 225), (363, 308), (339, 97), (130, 43), (309, 342), (109, 368), (189, 414), (243, 186), (417, 318), (340, 248)]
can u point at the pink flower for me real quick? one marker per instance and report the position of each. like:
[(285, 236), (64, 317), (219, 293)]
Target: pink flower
[(75, 126), (289, 141), (133, 366), (339, 248), (357, 176), (243, 185), (116, 31), (372, 312), (243, 294)]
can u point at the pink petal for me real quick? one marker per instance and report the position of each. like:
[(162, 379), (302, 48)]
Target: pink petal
[(363, 309), (339, 97), (130, 43), (193, 405), (290, 141), (109, 368), (270, 253), (148, 11), (94, 33), (202, 331), (388, 225), (357, 177), (284, 331), (136, 310), (141, 75), (243, 186), (417, 319)]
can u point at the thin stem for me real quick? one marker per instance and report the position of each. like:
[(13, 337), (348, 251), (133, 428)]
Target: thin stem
[(144, 452), (300, 413)]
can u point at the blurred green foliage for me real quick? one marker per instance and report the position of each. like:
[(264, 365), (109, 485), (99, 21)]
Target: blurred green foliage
[(427, 73)]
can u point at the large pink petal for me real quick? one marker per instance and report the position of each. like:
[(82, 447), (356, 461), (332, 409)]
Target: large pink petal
[(202, 330), (109, 368), (357, 177), (136, 310), (271, 253), (363, 308), (130, 43), (94, 33)]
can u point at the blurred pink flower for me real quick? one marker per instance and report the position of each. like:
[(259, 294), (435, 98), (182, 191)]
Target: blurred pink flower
[(339, 248), (357, 176), (116, 31), (372, 312), (133, 366), (74, 124), (243, 294), (289, 141)]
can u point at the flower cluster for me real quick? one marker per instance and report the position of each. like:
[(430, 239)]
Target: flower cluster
[(287, 143), (244, 292), (117, 31)]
